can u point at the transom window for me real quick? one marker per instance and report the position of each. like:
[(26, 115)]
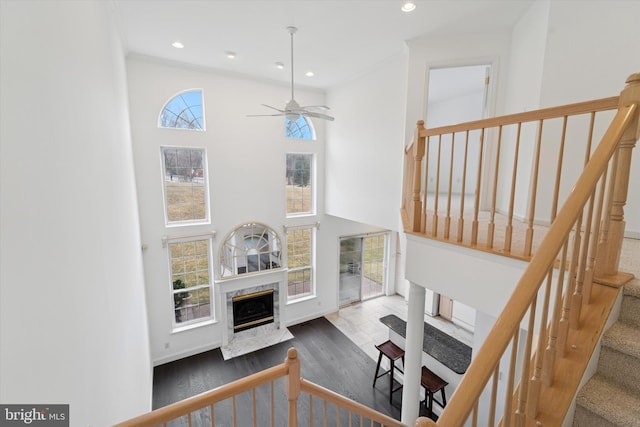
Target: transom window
[(183, 111), (301, 128), (190, 284), (185, 185), (250, 248), (300, 248), (299, 184)]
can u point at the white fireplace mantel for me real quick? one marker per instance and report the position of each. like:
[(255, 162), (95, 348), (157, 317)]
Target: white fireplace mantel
[(245, 284)]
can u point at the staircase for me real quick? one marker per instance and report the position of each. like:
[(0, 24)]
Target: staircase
[(612, 396)]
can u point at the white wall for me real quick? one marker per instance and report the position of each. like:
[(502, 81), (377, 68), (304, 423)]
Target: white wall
[(590, 52), (563, 54), (246, 161), (524, 82), (73, 316), (485, 283), (365, 146)]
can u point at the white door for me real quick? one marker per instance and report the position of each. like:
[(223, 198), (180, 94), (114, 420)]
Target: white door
[(362, 267), (456, 95)]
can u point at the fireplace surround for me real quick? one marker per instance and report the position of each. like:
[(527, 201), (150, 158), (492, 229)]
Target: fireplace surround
[(269, 285)]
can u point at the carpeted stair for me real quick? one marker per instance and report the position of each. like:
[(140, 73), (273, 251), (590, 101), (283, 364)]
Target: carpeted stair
[(611, 397)]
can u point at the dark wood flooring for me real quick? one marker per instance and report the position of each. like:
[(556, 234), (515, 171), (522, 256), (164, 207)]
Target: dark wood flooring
[(328, 358)]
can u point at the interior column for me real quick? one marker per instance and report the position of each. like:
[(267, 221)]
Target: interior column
[(413, 354)]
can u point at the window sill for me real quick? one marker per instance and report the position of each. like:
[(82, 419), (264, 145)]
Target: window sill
[(196, 325), (301, 299)]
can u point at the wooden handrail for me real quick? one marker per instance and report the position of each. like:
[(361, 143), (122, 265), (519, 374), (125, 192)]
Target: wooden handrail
[(293, 386), (481, 368), (596, 105), (203, 400), (349, 405), (612, 154)]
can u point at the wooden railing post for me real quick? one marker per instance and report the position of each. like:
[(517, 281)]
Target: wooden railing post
[(609, 252), (418, 155), (424, 422), (292, 385)]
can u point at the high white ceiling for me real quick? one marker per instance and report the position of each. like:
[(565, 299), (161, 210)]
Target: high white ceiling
[(336, 39)]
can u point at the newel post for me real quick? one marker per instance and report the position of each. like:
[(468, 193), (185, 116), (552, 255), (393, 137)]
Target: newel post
[(292, 385), (418, 155), (610, 253), (424, 422)]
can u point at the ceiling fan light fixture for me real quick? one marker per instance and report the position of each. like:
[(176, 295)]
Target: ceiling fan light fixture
[(408, 6), (292, 110)]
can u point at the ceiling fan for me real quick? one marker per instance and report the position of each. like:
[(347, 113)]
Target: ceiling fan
[(293, 110)]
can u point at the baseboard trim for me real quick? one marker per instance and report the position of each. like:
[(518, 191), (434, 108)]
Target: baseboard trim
[(186, 353)]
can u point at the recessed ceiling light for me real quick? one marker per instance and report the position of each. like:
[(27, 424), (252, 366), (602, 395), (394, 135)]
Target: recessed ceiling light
[(177, 45), (230, 54), (408, 6), (309, 74), (279, 65)]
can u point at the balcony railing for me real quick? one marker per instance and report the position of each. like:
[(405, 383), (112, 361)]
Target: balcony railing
[(576, 246), (238, 399), (581, 246)]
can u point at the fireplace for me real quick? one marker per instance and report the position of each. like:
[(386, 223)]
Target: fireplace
[(252, 310)]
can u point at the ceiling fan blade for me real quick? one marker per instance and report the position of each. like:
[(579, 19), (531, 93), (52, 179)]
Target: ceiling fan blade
[(273, 108), (318, 115), (318, 107), (292, 109)]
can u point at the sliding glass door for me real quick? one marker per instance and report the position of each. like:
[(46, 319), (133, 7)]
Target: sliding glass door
[(362, 267)]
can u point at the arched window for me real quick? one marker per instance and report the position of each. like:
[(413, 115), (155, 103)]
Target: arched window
[(250, 248), (302, 128), (183, 111)]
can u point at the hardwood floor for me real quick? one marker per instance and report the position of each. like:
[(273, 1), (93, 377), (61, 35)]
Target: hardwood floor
[(328, 358)]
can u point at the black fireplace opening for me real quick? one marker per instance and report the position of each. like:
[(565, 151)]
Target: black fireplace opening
[(252, 310)]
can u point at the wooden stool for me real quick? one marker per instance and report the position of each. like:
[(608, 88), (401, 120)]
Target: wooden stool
[(393, 353), (432, 384)]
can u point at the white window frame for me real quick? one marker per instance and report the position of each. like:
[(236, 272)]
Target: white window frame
[(207, 205), (308, 124), (168, 101), (311, 267), (180, 326), (312, 184), (234, 250)]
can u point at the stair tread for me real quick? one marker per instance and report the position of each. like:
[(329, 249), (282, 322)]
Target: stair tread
[(606, 399), (624, 338)]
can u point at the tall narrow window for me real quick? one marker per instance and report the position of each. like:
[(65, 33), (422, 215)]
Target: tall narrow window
[(299, 184), (300, 249), (183, 111), (185, 185), (301, 128), (190, 283)]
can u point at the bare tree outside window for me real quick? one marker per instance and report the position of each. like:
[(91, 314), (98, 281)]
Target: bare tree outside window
[(299, 184), (185, 184), (183, 111)]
